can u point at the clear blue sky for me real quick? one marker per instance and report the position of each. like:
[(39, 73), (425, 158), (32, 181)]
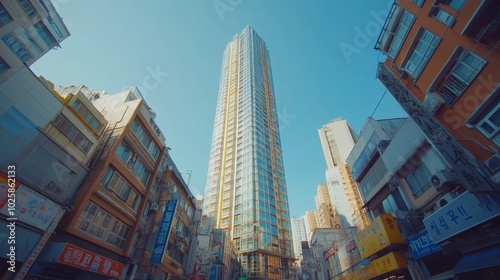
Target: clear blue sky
[(114, 44)]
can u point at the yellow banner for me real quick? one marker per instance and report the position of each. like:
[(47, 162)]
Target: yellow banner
[(381, 233), (385, 264)]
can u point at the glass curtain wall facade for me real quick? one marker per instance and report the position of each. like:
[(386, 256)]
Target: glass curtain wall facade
[(246, 193)]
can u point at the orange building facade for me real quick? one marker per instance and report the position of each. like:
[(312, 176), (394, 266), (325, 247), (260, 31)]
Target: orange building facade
[(442, 67)]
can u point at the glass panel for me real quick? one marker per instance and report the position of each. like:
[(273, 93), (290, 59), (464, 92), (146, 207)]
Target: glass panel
[(4, 16), (44, 33), (28, 8), (16, 47), (495, 118)]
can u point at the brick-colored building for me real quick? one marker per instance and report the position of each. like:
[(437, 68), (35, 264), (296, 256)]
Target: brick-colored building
[(442, 68)]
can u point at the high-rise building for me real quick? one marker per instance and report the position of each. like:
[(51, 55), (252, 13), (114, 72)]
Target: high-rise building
[(326, 216), (246, 191), (299, 234), (337, 139), (310, 222), (28, 29)]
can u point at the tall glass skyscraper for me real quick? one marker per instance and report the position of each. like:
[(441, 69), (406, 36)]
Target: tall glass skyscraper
[(246, 192)]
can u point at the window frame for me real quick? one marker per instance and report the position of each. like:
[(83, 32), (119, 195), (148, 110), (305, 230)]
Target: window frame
[(102, 225), (419, 188), (436, 12), (456, 92), (17, 47), (434, 43), (4, 66), (6, 15), (72, 133), (41, 29), (115, 183), (28, 8), (495, 135)]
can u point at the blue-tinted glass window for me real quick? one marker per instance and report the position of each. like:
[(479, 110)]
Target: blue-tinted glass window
[(44, 33), (16, 47)]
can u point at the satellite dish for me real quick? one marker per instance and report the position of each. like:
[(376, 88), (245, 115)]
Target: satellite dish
[(400, 214)]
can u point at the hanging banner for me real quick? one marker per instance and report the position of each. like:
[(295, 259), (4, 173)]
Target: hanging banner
[(163, 232)]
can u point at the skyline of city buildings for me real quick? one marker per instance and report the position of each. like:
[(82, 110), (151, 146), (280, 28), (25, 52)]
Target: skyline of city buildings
[(246, 193), (98, 195)]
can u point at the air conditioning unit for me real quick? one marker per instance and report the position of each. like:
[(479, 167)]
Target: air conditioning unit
[(445, 199), (493, 163), (154, 207), (432, 101), (443, 179)]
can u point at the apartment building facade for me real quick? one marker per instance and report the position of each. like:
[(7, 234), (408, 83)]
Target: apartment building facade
[(28, 29), (442, 61)]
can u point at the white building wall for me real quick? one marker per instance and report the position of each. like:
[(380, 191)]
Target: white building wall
[(299, 234), (339, 197)]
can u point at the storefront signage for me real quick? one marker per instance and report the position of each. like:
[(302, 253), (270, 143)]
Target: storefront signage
[(32, 207), (348, 256), (86, 260), (381, 233), (387, 263), (213, 272), (422, 245), (163, 232), (460, 214), (329, 252)]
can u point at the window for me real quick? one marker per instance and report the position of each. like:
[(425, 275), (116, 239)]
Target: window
[(443, 16), (422, 52), (490, 124), (16, 47), (102, 225), (400, 33), (133, 162), (72, 133), (456, 5), (418, 2), (419, 180), (145, 139), (465, 70), (31, 41), (28, 8), (4, 16), (55, 27), (87, 116), (3, 66), (44, 33), (113, 182)]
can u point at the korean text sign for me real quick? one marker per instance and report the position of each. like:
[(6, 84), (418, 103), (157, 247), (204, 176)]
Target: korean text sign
[(77, 257), (163, 232), (460, 214)]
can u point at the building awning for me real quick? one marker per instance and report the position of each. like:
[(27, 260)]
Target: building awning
[(479, 260)]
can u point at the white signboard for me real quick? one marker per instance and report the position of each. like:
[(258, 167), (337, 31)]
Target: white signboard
[(461, 214), (32, 208)]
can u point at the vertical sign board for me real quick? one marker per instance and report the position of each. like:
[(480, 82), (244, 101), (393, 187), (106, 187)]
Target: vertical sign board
[(213, 272), (163, 232)]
